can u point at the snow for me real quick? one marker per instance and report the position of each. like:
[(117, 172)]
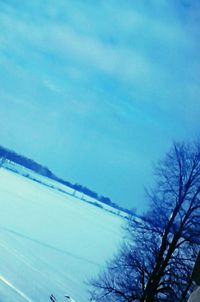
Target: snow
[(59, 186), (50, 242)]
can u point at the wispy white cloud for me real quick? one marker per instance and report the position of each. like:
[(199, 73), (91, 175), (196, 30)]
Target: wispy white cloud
[(135, 46), (50, 85), (119, 73)]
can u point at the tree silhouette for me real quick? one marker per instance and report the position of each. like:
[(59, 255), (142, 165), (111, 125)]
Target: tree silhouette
[(155, 262)]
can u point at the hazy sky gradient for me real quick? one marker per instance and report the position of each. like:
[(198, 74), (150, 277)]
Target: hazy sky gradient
[(97, 90)]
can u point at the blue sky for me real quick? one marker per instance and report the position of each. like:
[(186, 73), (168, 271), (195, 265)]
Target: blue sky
[(98, 90)]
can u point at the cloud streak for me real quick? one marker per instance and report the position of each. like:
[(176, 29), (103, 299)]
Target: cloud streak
[(113, 78)]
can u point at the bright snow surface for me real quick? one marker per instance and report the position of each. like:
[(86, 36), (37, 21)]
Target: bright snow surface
[(50, 242)]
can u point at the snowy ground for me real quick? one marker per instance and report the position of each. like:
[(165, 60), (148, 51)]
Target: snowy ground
[(50, 242)]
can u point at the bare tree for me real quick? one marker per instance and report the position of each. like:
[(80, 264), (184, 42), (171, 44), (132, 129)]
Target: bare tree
[(155, 262)]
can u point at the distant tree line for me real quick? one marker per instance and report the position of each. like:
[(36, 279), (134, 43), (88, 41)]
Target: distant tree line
[(6, 154)]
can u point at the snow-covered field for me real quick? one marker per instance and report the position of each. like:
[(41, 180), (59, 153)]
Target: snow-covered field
[(50, 242)]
